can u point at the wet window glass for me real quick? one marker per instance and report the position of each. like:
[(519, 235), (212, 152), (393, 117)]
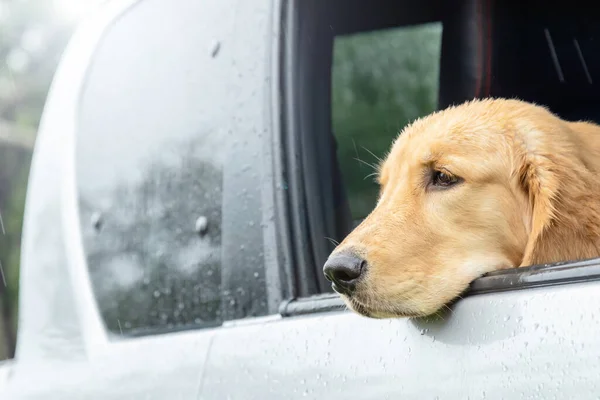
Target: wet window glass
[(381, 81), (160, 179)]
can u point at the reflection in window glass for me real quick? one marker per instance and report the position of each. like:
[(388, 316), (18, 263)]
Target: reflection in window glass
[(155, 259), (381, 81), (155, 176)]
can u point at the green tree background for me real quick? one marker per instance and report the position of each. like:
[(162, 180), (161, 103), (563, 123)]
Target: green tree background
[(382, 80), (33, 35)]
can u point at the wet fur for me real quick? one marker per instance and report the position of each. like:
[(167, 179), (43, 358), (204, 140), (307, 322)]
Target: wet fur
[(530, 195)]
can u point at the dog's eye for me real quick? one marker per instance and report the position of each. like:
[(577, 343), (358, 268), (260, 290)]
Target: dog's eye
[(443, 179)]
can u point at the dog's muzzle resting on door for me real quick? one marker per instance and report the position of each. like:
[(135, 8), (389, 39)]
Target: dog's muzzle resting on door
[(487, 185)]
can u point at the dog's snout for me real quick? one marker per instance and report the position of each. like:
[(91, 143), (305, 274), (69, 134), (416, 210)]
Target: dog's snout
[(344, 270)]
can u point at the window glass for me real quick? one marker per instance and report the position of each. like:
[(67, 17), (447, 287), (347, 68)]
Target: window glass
[(382, 80), (155, 161)]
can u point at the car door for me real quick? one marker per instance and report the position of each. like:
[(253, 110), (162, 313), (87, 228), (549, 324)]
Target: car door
[(146, 227)]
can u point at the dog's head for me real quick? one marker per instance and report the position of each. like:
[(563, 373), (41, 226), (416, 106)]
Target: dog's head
[(464, 191)]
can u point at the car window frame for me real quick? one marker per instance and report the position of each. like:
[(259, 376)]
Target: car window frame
[(520, 278)]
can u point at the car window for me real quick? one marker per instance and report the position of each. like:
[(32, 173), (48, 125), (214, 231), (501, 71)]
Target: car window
[(154, 165), (381, 80)]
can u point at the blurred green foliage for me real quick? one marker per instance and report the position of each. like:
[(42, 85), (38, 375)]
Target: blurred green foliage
[(33, 35), (382, 80), (14, 168), (141, 284)]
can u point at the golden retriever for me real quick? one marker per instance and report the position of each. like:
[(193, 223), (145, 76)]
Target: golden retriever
[(486, 185)]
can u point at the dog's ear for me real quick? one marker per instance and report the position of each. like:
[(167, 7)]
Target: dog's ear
[(564, 207), (541, 184)]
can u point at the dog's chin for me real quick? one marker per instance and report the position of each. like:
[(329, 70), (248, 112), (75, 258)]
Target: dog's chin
[(376, 313)]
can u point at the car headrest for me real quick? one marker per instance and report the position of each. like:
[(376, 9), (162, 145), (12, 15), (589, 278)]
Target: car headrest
[(543, 52)]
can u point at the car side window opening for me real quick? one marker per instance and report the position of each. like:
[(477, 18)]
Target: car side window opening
[(157, 184), (381, 81), (389, 68)]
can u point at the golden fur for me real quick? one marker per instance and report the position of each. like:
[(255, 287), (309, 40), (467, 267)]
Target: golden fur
[(528, 194)]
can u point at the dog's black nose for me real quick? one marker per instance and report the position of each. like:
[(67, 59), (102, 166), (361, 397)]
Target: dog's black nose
[(344, 270)]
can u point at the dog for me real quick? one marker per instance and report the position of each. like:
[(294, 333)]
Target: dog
[(486, 185)]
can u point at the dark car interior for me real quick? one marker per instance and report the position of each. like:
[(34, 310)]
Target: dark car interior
[(536, 51)]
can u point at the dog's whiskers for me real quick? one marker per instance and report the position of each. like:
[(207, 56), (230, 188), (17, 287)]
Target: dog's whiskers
[(332, 241), (372, 174), (373, 154), (373, 166)]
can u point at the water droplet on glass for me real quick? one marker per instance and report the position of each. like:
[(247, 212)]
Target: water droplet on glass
[(201, 225), (256, 275), (156, 294), (96, 220), (215, 48)]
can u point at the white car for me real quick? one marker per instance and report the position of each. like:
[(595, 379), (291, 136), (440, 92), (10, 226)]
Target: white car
[(185, 178)]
